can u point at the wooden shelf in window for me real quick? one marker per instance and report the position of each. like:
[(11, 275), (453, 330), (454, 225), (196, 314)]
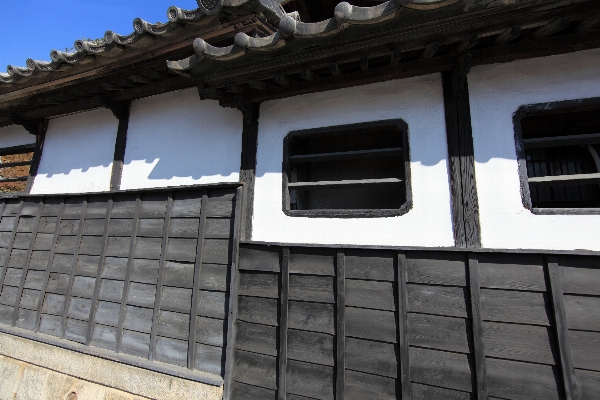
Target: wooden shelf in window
[(556, 141), (18, 179), (15, 164), (565, 180), (344, 184), (345, 155)]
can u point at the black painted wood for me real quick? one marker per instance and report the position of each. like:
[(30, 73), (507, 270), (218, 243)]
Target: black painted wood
[(282, 361), (40, 139), (477, 324), (340, 375), (121, 111), (248, 165), (403, 327), (10, 241), (562, 333)]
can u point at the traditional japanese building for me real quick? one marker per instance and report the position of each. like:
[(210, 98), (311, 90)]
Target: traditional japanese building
[(266, 199)]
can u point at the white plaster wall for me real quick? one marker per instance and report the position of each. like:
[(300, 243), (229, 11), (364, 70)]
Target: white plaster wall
[(496, 92), (419, 102), (177, 139), (15, 135), (78, 153)]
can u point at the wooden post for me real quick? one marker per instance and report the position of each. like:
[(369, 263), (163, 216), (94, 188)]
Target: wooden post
[(479, 350), (248, 163), (40, 138), (403, 327), (283, 324), (121, 111), (340, 334)]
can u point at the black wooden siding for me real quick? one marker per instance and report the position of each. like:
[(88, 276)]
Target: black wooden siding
[(418, 324), (124, 272)]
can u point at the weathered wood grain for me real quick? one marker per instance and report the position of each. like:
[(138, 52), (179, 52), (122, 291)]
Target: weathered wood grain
[(581, 280), (46, 225), (241, 391), (7, 224), (426, 392), (18, 258), (120, 227), (123, 206), (340, 324), (117, 246), (153, 205), (83, 286), (440, 368), (310, 380), (62, 263), (12, 277), (6, 313), (148, 248), (25, 319), (312, 261), (370, 264), (360, 386), (586, 349), (51, 325), (43, 241), (178, 274), (370, 294), (30, 299), (259, 284), (177, 299), (144, 271), (53, 304), (438, 300), (216, 251), (255, 369), (96, 207), (211, 331), (212, 304), (517, 380), (315, 317), (317, 348), (104, 337), (68, 227), (152, 228), (38, 260), (220, 208), (512, 306), (439, 332), (93, 227), (79, 308), (34, 279), (107, 313), (141, 295), (186, 204), (171, 351), (372, 357), (512, 271), (520, 342), (210, 359), (257, 258), (57, 283), (111, 290), (114, 268), (312, 288), (138, 319), (371, 324), (135, 343), (260, 311), (261, 339), (173, 325), (184, 227), (8, 296), (75, 330), (214, 277), (436, 268), (87, 265), (590, 384), (25, 224), (181, 250), (22, 241)]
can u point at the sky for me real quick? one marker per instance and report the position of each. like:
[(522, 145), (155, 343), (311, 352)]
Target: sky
[(33, 28)]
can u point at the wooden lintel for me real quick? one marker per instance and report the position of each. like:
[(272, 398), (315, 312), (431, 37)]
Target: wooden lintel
[(120, 109), (31, 125)]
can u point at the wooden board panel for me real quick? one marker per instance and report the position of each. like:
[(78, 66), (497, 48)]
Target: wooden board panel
[(152, 228), (220, 208), (211, 331), (68, 227), (312, 261), (11, 207), (212, 304), (517, 380), (52, 206), (310, 380), (589, 383), (43, 241), (440, 368), (173, 325), (104, 337), (438, 332), (257, 258), (210, 359), (6, 313), (372, 357), (46, 224), (30, 207), (96, 207), (7, 224), (370, 294), (120, 227), (181, 250), (316, 348), (123, 206), (360, 386), (72, 209), (178, 274), (34, 280), (53, 304), (93, 227), (577, 280), (144, 271), (512, 271), (141, 295), (79, 308), (425, 392), (117, 246), (12, 277), (581, 312), (62, 263), (177, 299), (153, 205), (256, 338), (260, 311), (114, 268), (22, 241), (87, 265), (186, 205), (586, 349), (107, 313), (135, 343), (241, 391), (519, 342), (111, 290), (57, 283), (371, 324), (83, 286), (26, 319), (370, 264), (25, 224), (185, 228), (259, 284), (18, 258), (38, 260), (255, 369), (315, 317), (214, 277), (171, 351), (216, 251), (438, 300), (312, 288), (513, 306), (138, 319), (148, 248), (8, 296), (5, 238), (76, 330), (436, 268), (216, 228), (30, 299), (51, 325)]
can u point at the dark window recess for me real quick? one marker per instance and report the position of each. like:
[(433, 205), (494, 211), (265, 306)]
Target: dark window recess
[(15, 163), (351, 170), (561, 148)]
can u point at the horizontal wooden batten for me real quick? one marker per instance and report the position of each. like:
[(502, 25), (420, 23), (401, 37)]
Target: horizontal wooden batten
[(564, 180), (345, 155), (15, 164), (344, 184), (572, 140), (17, 179)]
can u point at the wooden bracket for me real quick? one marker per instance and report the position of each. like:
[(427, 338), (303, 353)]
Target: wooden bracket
[(32, 126), (120, 109), (459, 74), (245, 108)]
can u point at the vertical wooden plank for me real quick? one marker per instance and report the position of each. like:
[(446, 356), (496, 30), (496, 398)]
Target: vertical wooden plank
[(73, 265), (26, 266), (404, 370), (120, 144), (248, 164), (40, 139), (283, 324), (196, 284), (49, 266), (90, 328), (340, 336), (136, 217), (161, 269), (562, 332), (10, 244), (234, 286), (477, 323)]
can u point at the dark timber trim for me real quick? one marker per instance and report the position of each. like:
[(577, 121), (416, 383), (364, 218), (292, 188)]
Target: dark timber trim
[(465, 207), (403, 333), (340, 334), (40, 139), (234, 286), (121, 111), (248, 163), (36, 224), (562, 332), (477, 324), (196, 284), (283, 324), (161, 270), (48, 266)]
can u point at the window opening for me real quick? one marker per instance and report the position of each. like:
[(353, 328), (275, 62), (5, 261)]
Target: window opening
[(15, 163)]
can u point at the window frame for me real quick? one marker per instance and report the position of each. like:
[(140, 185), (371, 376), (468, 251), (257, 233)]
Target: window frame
[(521, 113), (398, 124)]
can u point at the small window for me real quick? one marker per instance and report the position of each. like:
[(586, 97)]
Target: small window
[(558, 146), (15, 163), (359, 170)]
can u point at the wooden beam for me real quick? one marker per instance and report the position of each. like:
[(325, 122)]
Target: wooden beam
[(282, 80), (562, 332), (396, 57), (552, 28), (340, 333), (467, 43), (248, 166), (430, 50), (477, 325), (589, 24), (403, 334), (40, 139), (10, 243), (507, 36), (334, 68), (307, 75), (283, 325), (122, 113), (256, 84), (364, 63)]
